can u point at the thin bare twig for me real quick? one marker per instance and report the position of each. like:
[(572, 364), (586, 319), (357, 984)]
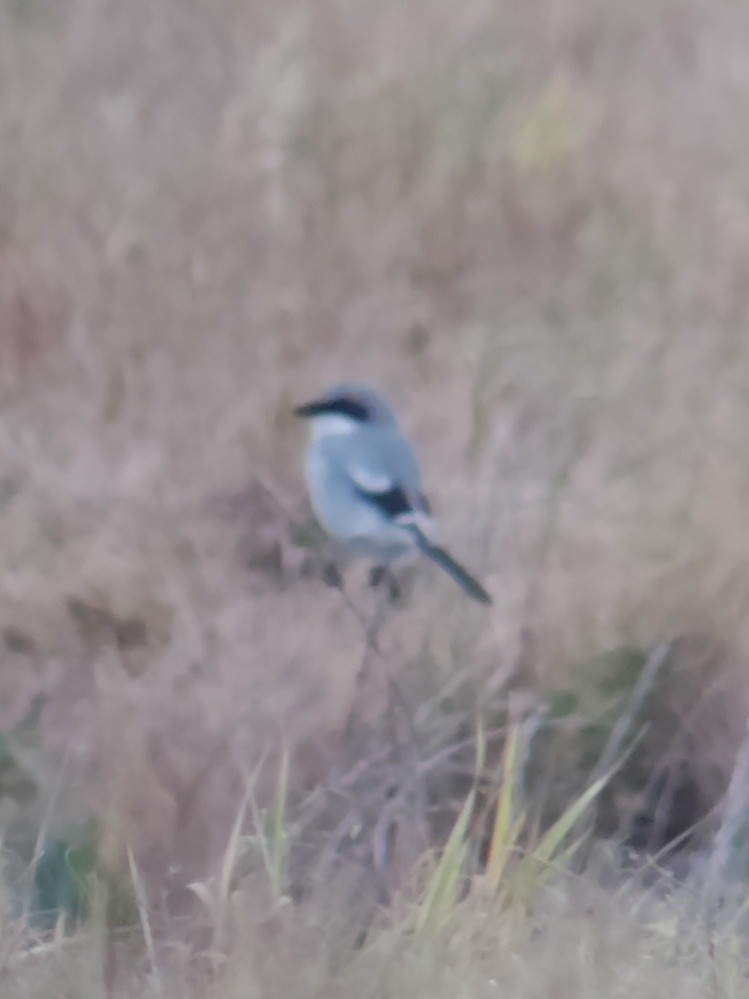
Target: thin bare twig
[(620, 733), (625, 723), (733, 833)]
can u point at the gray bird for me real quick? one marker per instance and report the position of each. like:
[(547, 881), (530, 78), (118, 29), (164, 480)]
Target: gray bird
[(365, 484)]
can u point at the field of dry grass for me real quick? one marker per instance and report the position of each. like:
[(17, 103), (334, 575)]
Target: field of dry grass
[(527, 224)]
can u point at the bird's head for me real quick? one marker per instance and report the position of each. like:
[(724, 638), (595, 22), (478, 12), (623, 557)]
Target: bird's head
[(345, 408)]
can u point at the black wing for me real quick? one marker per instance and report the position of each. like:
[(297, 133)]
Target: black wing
[(393, 502)]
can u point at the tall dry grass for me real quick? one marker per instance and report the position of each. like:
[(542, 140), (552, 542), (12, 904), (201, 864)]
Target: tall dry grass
[(529, 225)]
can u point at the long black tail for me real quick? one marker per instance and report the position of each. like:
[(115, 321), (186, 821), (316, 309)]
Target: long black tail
[(445, 561)]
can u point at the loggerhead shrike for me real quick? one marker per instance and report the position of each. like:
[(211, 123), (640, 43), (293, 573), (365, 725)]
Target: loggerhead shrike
[(365, 485)]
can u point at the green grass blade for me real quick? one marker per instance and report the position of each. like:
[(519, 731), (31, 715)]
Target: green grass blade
[(442, 889), (504, 831)]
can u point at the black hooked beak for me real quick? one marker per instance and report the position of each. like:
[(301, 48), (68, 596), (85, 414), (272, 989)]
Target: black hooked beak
[(310, 409)]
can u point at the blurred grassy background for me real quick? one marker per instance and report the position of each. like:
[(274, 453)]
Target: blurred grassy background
[(528, 225)]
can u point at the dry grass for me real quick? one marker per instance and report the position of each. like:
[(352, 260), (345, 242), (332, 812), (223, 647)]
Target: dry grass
[(529, 226), (583, 943)]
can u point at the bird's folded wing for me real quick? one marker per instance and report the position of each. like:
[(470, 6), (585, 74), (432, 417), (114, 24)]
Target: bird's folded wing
[(382, 492)]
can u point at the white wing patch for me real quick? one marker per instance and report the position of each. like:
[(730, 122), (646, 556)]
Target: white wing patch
[(371, 482)]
